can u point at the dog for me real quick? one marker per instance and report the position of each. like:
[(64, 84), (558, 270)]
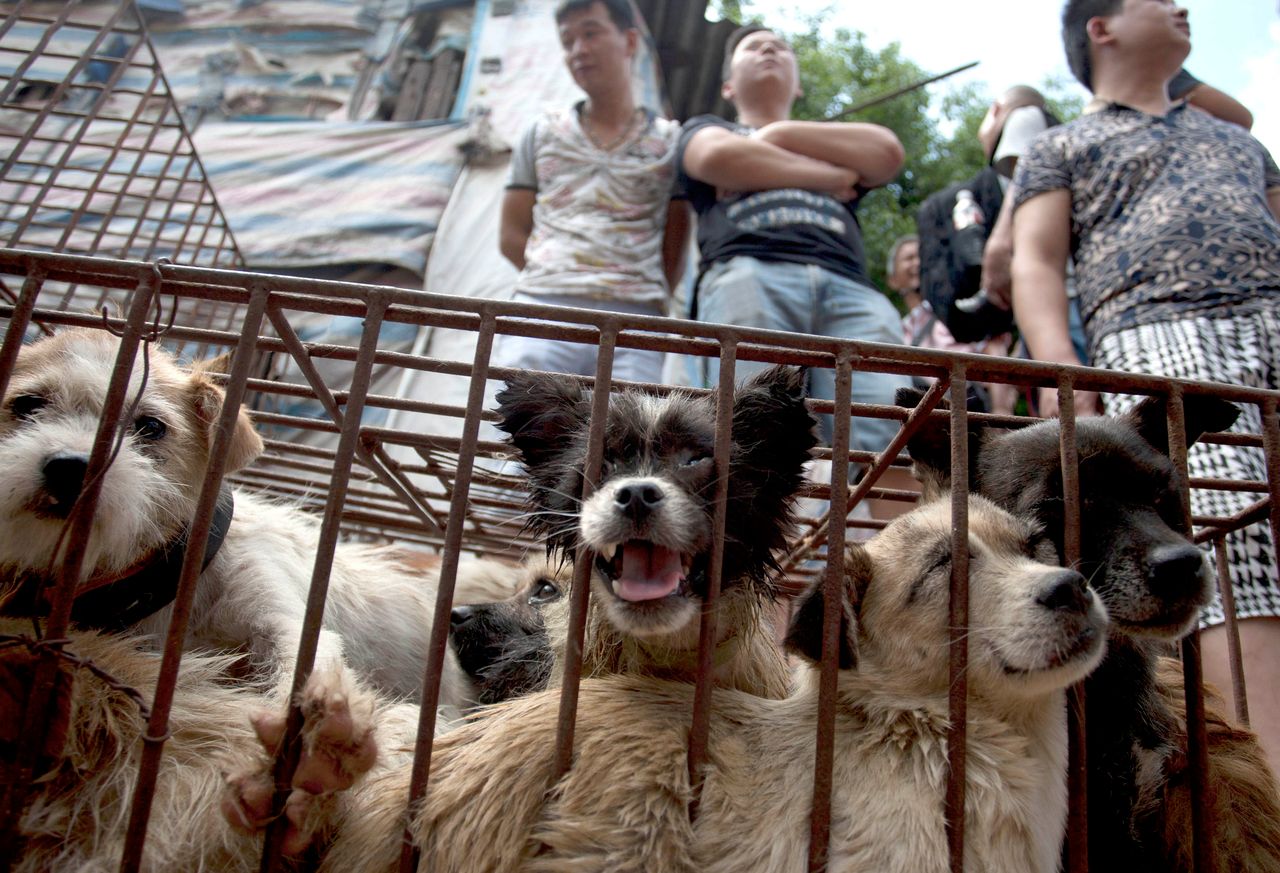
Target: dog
[(494, 802), (648, 521), (79, 802), (503, 645), (1137, 556), (251, 596)]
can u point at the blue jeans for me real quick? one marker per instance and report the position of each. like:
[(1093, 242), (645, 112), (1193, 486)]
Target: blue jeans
[(578, 359), (804, 298)]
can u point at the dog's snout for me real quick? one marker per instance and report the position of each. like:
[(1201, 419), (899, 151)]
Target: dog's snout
[(1175, 570), (1066, 591), (637, 499), (461, 615), (63, 474)]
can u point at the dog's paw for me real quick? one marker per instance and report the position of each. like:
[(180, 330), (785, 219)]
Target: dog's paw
[(338, 747)]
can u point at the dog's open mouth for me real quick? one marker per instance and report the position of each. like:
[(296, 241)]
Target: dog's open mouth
[(640, 570)]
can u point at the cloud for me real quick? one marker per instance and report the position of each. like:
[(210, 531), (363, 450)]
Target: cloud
[(1263, 72)]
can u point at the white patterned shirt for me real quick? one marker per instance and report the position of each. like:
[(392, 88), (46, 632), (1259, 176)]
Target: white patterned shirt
[(599, 216)]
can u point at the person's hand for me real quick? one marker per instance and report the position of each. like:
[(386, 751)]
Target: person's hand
[(842, 184), (996, 276), (1088, 403)]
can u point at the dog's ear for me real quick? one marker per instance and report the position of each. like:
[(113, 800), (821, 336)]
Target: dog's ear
[(539, 411), (804, 637), (930, 445), (1202, 413), (772, 428), (206, 398)]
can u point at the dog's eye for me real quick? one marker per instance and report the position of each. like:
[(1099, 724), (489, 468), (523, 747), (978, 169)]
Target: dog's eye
[(544, 591), (149, 427), (26, 405), (699, 461)]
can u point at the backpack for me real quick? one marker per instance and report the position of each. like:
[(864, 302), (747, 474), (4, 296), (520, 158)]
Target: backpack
[(951, 264)]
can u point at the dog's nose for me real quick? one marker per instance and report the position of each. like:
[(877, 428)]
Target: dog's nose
[(64, 477), (1066, 591), (1175, 571), (638, 498), (461, 615)]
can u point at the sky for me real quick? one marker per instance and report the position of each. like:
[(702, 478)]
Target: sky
[(1235, 44)]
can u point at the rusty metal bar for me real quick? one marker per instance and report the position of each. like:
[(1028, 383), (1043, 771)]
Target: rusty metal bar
[(409, 851), (188, 580), (69, 570), (708, 629), (1197, 734), (583, 560), (1228, 596), (1077, 837), (881, 462), (833, 591), (958, 646), (287, 759), (17, 327), (1271, 443)]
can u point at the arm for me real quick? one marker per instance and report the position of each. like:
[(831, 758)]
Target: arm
[(1220, 105), (871, 151), (675, 242), (731, 162), (1273, 200), (516, 224), (1041, 243), (997, 256)]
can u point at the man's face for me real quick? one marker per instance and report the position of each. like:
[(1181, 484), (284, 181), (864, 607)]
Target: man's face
[(906, 268), (596, 52), (763, 61), (1152, 25)]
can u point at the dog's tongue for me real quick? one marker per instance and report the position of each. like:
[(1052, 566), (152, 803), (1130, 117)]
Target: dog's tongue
[(649, 571)]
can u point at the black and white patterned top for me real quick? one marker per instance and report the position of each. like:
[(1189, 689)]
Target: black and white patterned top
[(1169, 214)]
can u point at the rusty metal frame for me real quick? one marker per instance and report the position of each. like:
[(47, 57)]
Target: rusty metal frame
[(399, 483)]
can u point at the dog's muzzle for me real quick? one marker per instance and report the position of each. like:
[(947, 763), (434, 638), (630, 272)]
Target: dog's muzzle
[(62, 478)]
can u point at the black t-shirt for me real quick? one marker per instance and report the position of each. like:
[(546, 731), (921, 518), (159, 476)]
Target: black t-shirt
[(784, 224)]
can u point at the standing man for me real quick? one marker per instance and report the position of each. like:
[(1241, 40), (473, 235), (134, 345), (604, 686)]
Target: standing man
[(775, 198), (1171, 215), (588, 217)]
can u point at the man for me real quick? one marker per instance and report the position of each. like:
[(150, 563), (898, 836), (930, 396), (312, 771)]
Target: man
[(588, 217), (1171, 216), (953, 270), (780, 243), (922, 328)]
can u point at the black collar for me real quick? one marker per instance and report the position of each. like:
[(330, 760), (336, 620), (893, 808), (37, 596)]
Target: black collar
[(117, 605)]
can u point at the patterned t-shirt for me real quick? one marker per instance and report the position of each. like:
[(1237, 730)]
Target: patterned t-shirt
[(1169, 214), (599, 216)]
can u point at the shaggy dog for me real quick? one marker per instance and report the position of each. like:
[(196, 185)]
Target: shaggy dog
[(1154, 582), (251, 596), (78, 808), (648, 520), (493, 803)]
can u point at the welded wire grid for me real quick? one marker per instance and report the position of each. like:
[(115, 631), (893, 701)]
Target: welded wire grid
[(435, 475), (96, 157)]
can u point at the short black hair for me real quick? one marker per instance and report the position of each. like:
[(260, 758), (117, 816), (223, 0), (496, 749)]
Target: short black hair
[(619, 10), (738, 35), (1075, 34)]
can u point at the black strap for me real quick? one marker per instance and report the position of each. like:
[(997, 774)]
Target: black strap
[(125, 602)]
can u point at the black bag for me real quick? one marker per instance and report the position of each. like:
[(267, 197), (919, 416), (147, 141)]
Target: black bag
[(951, 260)]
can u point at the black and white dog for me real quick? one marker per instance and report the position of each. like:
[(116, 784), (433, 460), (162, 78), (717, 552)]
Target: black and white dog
[(648, 521)]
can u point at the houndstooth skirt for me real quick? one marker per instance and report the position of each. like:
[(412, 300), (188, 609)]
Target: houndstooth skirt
[(1242, 348)]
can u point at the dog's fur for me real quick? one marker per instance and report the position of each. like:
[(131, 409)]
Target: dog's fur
[(1136, 555), (251, 598), (78, 807), (493, 803), (648, 521)]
